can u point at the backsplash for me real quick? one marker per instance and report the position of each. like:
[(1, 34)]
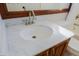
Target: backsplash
[(15, 21), (52, 18)]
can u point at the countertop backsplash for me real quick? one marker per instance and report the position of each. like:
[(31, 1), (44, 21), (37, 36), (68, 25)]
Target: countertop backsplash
[(55, 18)]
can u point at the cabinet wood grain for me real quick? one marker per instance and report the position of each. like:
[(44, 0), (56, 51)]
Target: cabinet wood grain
[(57, 50)]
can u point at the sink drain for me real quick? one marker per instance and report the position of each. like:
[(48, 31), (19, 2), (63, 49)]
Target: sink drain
[(33, 36)]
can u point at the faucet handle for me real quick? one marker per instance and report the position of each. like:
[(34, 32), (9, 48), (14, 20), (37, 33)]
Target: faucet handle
[(25, 21), (29, 21)]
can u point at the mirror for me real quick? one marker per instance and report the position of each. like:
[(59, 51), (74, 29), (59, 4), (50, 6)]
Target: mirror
[(14, 10), (36, 6)]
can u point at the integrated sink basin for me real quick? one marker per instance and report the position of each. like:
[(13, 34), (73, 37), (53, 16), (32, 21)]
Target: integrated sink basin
[(32, 39), (34, 32)]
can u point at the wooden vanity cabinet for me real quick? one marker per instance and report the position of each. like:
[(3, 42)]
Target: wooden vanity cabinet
[(57, 50)]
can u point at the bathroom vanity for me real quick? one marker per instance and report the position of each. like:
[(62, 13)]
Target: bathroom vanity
[(39, 39), (57, 50)]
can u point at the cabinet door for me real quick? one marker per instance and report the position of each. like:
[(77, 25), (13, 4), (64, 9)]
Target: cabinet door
[(52, 51), (57, 50), (44, 53), (60, 48)]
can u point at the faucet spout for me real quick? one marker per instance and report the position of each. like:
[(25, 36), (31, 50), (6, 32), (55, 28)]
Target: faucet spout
[(33, 13), (34, 17)]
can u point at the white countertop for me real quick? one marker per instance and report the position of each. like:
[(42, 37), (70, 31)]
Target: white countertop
[(18, 46)]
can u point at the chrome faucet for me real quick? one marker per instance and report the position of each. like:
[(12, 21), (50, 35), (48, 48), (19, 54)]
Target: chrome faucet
[(29, 20), (34, 17), (31, 17)]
